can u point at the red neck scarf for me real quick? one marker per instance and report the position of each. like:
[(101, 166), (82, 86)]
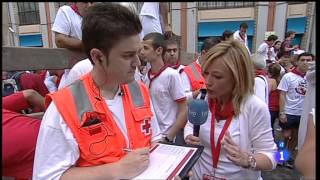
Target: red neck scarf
[(297, 72), (156, 74), (215, 108), (177, 65), (261, 72), (75, 9)]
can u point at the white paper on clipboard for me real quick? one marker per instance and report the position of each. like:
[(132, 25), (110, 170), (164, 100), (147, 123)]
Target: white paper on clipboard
[(167, 161)]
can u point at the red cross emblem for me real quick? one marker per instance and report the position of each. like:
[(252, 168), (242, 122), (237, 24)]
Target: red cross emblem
[(145, 127)]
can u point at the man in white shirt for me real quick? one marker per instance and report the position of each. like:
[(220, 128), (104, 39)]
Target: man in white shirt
[(293, 88), (309, 102), (266, 49), (67, 29), (85, 66), (172, 55), (261, 85), (154, 18), (165, 87), (90, 125), (241, 35)]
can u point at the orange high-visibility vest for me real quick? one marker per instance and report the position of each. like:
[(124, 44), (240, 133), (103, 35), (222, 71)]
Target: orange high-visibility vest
[(193, 72), (99, 138)]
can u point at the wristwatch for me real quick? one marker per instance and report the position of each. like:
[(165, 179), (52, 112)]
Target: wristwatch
[(167, 139), (252, 162)]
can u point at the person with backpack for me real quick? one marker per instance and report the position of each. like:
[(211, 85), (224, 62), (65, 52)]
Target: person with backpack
[(21, 80), (261, 80)]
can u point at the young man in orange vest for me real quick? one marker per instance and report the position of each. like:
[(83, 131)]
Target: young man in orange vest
[(102, 125), (191, 76)]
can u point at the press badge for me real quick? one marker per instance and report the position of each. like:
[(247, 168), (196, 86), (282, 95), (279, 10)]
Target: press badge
[(211, 177)]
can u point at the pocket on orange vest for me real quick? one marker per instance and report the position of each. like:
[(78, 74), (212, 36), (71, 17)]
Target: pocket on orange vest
[(142, 113), (98, 141)]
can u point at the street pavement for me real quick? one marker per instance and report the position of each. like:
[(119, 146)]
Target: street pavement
[(281, 172)]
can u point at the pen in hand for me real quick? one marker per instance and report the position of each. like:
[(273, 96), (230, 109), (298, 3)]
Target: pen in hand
[(126, 149)]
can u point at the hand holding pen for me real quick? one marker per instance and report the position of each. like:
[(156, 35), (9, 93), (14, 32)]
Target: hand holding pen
[(135, 162)]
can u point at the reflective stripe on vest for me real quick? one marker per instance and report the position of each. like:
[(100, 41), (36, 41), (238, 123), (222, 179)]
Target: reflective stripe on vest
[(136, 94), (83, 103), (81, 98), (195, 71), (93, 125), (195, 77)]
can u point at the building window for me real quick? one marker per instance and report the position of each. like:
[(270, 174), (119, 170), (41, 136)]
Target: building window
[(296, 2), (28, 13), (224, 5)]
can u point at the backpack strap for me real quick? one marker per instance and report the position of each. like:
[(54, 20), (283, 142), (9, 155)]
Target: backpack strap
[(16, 76)]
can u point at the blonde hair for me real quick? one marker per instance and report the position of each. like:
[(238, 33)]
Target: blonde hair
[(237, 59)]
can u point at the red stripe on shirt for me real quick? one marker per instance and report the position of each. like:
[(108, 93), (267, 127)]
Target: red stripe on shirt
[(181, 99)]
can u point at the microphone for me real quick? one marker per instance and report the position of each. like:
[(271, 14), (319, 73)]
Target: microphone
[(197, 114)]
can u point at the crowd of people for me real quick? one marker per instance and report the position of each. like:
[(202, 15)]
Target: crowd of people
[(133, 91)]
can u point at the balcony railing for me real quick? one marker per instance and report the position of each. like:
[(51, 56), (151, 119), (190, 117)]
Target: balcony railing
[(224, 5)]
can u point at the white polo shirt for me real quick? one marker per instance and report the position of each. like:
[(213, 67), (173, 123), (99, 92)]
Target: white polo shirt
[(261, 88), (263, 50), (295, 87), (150, 18), (165, 91), (68, 22), (236, 35)]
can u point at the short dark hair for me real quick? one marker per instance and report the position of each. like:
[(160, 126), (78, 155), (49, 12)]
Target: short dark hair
[(272, 37), (276, 42), (172, 40), (104, 24), (289, 34), (274, 70), (209, 43), (226, 34), (305, 54), (244, 25), (158, 40)]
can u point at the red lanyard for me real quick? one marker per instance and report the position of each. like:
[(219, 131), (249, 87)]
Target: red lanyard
[(156, 75), (75, 9), (215, 150)]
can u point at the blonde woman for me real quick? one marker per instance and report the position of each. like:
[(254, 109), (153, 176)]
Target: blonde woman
[(237, 135)]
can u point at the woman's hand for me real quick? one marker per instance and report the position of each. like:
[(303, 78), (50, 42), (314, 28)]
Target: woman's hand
[(283, 118), (193, 140), (234, 153)]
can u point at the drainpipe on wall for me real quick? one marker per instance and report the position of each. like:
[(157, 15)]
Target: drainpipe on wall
[(47, 10), (271, 13), (183, 26)]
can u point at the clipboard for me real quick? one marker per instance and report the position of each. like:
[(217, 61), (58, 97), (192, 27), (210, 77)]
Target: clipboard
[(179, 161), (184, 173)]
